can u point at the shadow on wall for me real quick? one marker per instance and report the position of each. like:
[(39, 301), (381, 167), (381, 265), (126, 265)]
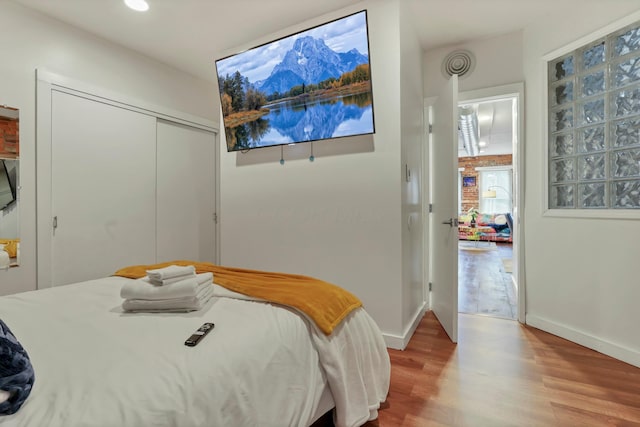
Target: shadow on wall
[(302, 151)]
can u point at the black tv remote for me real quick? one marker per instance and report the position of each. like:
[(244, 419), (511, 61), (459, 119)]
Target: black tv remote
[(199, 334)]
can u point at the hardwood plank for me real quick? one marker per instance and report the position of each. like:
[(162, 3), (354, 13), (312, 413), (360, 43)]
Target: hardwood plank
[(502, 373), (483, 285), (570, 416), (609, 392)]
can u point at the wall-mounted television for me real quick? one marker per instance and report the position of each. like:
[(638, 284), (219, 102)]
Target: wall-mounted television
[(309, 86), (7, 185)]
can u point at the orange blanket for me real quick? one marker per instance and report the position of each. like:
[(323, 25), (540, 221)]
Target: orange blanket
[(326, 304)]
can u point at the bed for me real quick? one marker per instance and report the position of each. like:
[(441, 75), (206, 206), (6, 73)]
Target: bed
[(263, 364)]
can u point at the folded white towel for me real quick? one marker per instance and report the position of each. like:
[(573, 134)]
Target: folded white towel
[(173, 305), (142, 289), (170, 272), (165, 282)]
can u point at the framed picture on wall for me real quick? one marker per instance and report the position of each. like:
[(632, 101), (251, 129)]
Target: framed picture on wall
[(468, 181)]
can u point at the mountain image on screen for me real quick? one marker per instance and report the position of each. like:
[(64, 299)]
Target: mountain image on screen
[(310, 61), (310, 86)]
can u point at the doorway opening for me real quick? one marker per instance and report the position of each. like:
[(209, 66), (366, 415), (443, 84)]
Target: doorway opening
[(487, 177), (443, 183)]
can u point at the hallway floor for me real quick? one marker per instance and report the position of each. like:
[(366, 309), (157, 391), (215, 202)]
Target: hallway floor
[(484, 285), (505, 374)]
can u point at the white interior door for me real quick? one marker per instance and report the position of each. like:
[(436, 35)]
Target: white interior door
[(103, 167), (186, 193), (444, 198)]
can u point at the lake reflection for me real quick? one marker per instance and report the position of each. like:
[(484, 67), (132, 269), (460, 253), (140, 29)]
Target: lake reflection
[(295, 121)]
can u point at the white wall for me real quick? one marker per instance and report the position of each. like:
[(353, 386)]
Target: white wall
[(581, 274), (413, 195), (498, 62), (32, 41), (339, 218)]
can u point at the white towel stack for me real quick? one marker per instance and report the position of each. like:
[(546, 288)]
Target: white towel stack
[(170, 289), (170, 274)]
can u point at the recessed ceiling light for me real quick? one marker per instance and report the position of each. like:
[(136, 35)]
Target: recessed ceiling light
[(139, 5), (482, 143)]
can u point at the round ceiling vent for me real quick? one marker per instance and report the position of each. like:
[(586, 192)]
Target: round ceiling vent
[(460, 62)]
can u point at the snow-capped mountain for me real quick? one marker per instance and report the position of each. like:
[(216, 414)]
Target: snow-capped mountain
[(309, 61)]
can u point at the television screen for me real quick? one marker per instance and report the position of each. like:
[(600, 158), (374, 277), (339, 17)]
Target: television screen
[(309, 86)]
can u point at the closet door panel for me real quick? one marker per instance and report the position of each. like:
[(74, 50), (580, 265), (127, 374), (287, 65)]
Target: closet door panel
[(186, 193), (103, 188)]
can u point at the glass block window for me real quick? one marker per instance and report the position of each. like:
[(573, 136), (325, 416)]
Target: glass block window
[(594, 124)]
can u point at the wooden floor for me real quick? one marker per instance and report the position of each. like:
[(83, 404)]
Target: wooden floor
[(484, 285), (502, 373)]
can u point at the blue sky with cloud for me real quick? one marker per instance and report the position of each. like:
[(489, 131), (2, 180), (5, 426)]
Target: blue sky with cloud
[(256, 64)]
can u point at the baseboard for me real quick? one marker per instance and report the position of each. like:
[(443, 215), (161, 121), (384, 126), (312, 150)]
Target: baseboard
[(397, 342), (605, 347)]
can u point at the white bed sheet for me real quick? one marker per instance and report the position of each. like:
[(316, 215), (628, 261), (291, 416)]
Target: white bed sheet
[(97, 366), (355, 361)]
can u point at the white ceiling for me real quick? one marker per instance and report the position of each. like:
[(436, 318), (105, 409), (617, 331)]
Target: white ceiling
[(495, 127), (190, 34)]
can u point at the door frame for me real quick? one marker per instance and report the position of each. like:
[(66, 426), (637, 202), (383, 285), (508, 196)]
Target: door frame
[(515, 90)]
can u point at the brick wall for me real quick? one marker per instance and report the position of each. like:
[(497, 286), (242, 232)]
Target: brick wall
[(9, 147), (470, 196)]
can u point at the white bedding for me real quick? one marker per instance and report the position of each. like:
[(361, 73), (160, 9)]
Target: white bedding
[(261, 365)]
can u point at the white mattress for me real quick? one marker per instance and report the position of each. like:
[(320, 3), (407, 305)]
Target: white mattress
[(98, 366), (262, 365)]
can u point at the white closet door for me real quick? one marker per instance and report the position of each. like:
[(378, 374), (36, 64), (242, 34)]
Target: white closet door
[(103, 188), (186, 193)]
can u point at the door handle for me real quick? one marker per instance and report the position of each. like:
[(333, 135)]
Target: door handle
[(453, 222)]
